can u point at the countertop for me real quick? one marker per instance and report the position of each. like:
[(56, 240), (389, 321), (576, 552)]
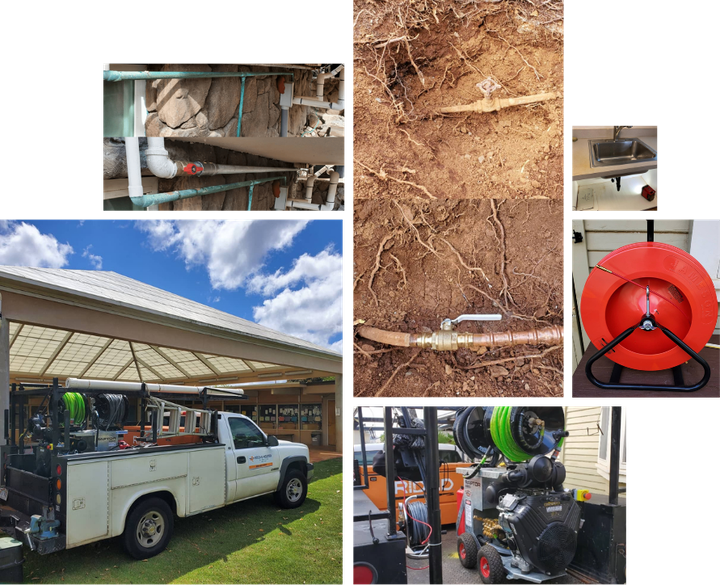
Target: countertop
[(583, 170)]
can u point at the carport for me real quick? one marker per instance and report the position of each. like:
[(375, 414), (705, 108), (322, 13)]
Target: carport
[(59, 323)]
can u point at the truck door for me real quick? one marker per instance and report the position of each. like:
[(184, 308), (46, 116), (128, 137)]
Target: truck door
[(258, 466)]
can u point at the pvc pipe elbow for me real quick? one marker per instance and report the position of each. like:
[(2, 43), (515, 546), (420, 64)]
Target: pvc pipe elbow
[(157, 159)]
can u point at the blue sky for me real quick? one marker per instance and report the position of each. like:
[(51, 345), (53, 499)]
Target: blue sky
[(283, 274)]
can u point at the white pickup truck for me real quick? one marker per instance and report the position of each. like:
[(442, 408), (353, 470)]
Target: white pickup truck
[(76, 498)]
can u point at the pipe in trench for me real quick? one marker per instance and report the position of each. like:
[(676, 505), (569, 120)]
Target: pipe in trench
[(451, 340), (283, 122), (492, 105)]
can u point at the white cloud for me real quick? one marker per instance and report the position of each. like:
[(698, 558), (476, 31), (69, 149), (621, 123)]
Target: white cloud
[(22, 244), (231, 251), (304, 301), (312, 312), (95, 260), (305, 268)]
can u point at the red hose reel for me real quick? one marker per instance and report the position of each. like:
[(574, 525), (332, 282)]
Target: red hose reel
[(681, 298)]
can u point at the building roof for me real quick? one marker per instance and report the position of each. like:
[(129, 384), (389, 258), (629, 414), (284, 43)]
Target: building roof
[(48, 352)]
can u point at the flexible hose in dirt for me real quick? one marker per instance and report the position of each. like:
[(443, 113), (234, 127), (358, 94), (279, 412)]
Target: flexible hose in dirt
[(451, 340)]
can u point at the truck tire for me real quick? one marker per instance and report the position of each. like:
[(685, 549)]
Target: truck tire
[(292, 492), (148, 528)]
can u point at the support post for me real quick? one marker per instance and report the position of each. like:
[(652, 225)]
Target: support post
[(338, 409), (615, 455), (390, 472), (432, 458), (4, 370)]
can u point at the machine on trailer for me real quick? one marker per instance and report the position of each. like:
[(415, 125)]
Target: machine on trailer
[(516, 520)]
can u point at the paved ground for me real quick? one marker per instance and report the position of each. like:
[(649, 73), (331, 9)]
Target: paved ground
[(453, 571), (323, 454)]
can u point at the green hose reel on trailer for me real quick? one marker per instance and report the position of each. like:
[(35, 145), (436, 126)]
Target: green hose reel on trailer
[(519, 433), (75, 404)]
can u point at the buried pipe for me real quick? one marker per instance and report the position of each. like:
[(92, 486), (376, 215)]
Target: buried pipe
[(134, 168), (157, 198), (162, 166), (448, 340), (492, 105)]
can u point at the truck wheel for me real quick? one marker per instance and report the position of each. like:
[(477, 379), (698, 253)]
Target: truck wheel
[(490, 565), (148, 528), (292, 492)]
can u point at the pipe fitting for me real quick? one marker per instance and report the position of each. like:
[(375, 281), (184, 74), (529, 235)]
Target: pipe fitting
[(157, 159)]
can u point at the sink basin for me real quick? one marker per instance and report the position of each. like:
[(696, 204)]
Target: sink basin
[(608, 153)]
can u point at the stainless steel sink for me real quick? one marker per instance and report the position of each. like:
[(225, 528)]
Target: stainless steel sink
[(608, 153)]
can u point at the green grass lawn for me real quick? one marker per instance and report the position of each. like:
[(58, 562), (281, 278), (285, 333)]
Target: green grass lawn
[(249, 542)]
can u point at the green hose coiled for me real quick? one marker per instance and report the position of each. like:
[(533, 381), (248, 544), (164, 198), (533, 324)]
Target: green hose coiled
[(75, 404), (502, 435)]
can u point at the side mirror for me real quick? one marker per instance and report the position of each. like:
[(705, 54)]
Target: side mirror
[(272, 441)]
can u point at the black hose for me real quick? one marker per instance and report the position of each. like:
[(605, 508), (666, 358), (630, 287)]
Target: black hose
[(112, 410), (417, 532)]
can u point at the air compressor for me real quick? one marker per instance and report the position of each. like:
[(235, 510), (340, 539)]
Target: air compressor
[(515, 519)]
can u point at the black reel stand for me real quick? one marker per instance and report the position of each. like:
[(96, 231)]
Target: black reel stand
[(678, 385)]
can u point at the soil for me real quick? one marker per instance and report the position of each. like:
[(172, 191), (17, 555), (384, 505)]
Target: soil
[(419, 262), (413, 57)]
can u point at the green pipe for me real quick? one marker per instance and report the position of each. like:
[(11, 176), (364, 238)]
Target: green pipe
[(145, 75), (157, 198), (250, 192), (242, 97)]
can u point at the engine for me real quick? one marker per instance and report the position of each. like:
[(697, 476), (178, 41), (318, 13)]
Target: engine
[(541, 528)]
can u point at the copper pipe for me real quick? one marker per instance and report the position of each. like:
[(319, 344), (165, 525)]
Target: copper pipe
[(452, 340)]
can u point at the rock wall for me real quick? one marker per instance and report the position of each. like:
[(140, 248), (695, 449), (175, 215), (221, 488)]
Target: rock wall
[(209, 107)]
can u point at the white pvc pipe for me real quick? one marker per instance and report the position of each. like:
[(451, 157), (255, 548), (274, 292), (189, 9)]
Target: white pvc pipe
[(309, 188), (341, 89), (161, 166), (132, 155), (300, 204), (157, 159), (308, 101), (332, 189), (111, 386), (281, 201), (319, 89)]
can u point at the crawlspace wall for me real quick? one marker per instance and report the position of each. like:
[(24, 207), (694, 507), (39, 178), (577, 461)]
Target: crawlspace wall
[(209, 107)]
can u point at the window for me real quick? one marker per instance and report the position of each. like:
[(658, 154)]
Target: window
[(447, 456), (245, 434)]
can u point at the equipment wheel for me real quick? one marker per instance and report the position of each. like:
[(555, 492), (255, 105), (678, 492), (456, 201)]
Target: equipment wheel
[(467, 550), (490, 565)]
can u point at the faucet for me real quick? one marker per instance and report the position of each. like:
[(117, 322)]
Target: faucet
[(616, 130)]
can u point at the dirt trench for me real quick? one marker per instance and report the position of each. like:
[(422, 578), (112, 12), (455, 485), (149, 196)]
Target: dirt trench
[(413, 57), (419, 262)]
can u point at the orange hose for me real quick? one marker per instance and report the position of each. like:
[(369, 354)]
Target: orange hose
[(385, 337)]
